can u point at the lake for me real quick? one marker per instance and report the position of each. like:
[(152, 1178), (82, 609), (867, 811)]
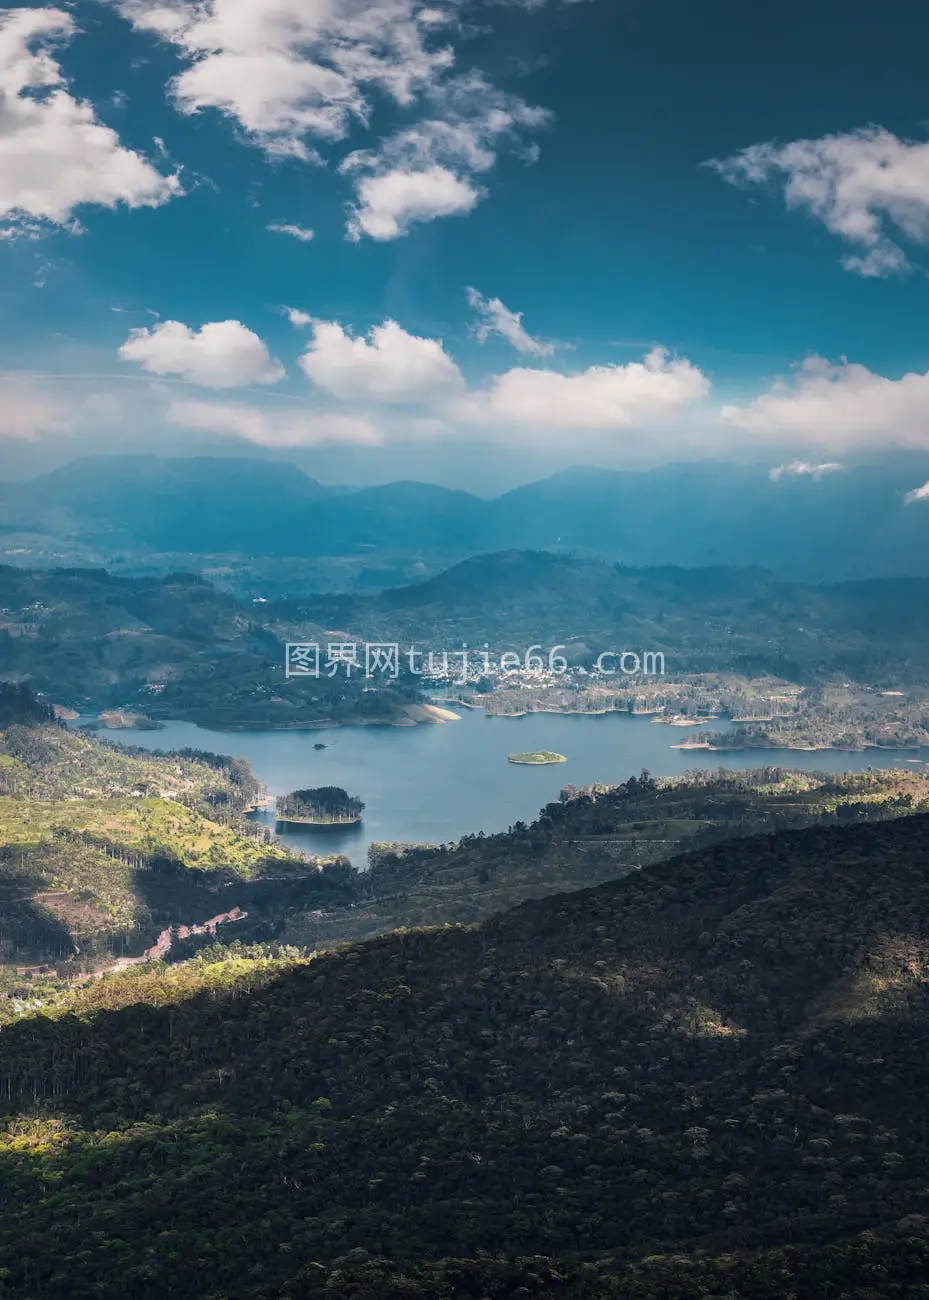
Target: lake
[(432, 784)]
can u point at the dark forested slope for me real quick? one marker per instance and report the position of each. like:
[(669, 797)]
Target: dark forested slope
[(706, 1078)]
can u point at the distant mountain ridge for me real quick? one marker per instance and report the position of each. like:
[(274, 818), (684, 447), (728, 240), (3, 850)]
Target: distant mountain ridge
[(849, 524)]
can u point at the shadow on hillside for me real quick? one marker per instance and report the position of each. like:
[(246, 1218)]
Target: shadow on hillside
[(30, 932)]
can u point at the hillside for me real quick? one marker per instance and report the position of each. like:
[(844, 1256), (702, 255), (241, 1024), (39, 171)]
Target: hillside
[(591, 836), (706, 1078), (100, 850), (174, 647), (703, 619)]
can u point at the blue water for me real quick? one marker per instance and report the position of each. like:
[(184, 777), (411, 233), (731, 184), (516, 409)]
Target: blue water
[(432, 784)]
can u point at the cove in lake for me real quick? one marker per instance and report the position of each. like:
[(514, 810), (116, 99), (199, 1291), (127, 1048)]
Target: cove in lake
[(432, 784)]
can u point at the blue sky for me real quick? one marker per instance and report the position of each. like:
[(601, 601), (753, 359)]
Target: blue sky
[(542, 233)]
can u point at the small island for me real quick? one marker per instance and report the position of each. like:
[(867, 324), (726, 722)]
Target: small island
[(327, 805), (537, 757)]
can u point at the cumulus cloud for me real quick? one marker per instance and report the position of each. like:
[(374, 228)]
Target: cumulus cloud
[(859, 185), (299, 319), (840, 405), (394, 199), (804, 469), (223, 354), (428, 170), (495, 318), (295, 232), (389, 365), (291, 72), (272, 428), (286, 70), (599, 398), (55, 156), (918, 494)]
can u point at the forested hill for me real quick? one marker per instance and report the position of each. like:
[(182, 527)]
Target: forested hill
[(174, 647), (707, 1078), (702, 619)]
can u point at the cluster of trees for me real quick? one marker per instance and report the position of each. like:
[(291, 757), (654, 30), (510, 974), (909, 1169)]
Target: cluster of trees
[(20, 705), (861, 723), (707, 1078), (323, 804)]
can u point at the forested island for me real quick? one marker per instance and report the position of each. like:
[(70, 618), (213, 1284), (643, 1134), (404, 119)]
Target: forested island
[(537, 758), (326, 805)]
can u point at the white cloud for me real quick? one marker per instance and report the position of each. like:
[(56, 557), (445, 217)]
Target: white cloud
[(287, 70), (296, 232), (857, 185), (55, 156), (495, 318), (393, 200), (918, 494), (272, 428), (299, 319), (840, 405), (600, 398), (804, 469), (389, 366), (427, 170), (223, 354), (290, 72)]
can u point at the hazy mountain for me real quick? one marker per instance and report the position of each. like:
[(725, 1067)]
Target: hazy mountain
[(845, 524), (199, 504), (410, 517), (838, 525), (209, 505)]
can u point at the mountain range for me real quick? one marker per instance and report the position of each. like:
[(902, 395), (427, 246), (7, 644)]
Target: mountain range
[(803, 525)]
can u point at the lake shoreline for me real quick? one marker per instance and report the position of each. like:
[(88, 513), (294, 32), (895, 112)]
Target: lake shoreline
[(433, 784), (801, 749), (306, 821), (420, 715)]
